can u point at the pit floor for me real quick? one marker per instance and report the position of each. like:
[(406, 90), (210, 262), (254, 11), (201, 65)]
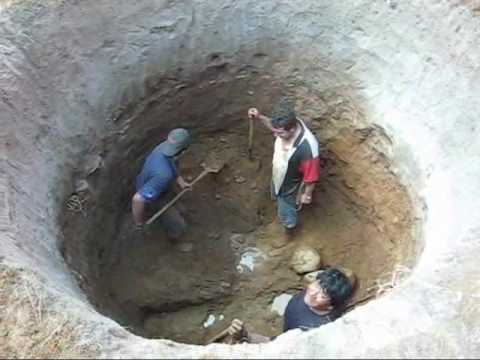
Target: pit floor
[(189, 290)]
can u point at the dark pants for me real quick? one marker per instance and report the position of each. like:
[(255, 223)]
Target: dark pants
[(172, 221)]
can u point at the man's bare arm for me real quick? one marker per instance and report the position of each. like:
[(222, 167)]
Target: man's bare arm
[(238, 331), (138, 209), (253, 113), (182, 183), (267, 122), (308, 193), (258, 339)]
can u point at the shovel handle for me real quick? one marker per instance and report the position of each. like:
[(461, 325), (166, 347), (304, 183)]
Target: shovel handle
[(178, 196), (201, 176), (217, 337), (250, 136)]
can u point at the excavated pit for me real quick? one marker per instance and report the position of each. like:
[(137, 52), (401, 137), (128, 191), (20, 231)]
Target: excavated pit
[(88, 88), (231, 262)]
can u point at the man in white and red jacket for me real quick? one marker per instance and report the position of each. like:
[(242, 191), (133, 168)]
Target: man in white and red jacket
[(295, 162)]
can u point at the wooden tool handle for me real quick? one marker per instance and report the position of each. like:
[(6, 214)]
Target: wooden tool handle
[(178, 196), (217, 337), (199, 177), (250, 137), (166, 207)]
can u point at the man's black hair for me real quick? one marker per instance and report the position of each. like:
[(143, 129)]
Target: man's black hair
[(284, 115), (335, 284)]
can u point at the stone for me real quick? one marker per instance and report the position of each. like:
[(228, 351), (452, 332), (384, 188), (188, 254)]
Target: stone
[(240, 179), (214, 235), (185, 247), (275, 252), (310, 277), (93, 164), (305, 259), (238, 239), (236, 246), (81, 186), (225, 284)]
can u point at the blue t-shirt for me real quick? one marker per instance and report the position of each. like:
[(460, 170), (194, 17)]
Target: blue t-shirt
[(299, 316), (157, 175)]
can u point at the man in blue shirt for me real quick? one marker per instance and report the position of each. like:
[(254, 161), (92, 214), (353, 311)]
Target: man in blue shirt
[(158, 173)]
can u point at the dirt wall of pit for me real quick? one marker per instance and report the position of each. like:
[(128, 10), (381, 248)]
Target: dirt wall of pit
[(74, 72)]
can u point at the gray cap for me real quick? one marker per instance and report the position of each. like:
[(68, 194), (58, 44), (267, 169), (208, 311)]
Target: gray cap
[(177, 140)]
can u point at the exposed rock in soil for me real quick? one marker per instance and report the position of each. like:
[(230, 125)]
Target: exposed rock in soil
[(305, 259)]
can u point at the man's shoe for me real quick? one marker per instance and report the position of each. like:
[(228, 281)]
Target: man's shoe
[(283, 239), (289, 232)]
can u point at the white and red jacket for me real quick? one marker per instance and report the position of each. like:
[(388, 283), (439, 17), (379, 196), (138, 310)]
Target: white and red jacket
[(295, 163)]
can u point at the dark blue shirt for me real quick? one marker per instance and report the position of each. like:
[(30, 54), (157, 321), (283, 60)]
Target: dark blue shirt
[(158, 173), (298, 315)]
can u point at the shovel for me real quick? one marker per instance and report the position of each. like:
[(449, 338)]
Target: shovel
[(212, 167)]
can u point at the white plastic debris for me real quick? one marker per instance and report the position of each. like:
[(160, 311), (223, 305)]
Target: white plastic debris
[(210, 321), (249, 258)]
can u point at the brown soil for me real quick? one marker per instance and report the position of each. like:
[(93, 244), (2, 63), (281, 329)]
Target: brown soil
[(359, 219)]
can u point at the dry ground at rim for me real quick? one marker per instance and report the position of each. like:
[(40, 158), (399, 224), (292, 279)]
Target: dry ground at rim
[(29, 327)]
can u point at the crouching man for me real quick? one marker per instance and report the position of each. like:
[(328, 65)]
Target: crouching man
[(321, 302)]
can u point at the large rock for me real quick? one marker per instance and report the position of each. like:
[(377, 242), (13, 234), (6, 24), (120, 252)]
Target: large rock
[(305, 259)]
